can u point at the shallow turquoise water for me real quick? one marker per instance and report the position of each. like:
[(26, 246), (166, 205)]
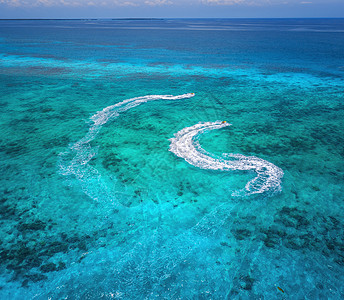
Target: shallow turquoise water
[(138, 222)]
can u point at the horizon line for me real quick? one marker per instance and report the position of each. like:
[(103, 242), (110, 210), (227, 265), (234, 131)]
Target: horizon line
[(162, 18)]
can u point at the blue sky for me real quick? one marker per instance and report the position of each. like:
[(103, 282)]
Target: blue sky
[(170, 8)]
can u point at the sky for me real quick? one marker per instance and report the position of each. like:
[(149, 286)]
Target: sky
[(171, 9)]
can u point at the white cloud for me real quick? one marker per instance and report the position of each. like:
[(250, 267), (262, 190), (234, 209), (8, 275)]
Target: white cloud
[(73, 3), (125, 3), (261, 2), (158, 2), (37, 3), (238, 2), (223, 2)]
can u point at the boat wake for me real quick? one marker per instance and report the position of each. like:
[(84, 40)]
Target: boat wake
[(75, 161), (185, 145), (142, 269)]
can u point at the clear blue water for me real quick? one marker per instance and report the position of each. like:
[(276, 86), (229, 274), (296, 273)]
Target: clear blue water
[(100, 208)]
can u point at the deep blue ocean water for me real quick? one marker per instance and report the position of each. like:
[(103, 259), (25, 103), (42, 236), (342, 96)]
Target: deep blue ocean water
[(98, 202)]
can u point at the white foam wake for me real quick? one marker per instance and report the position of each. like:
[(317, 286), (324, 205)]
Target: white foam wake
[(185, 145), (75, 160)]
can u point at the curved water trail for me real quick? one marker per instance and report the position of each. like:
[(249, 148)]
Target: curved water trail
[(147, 264), (74, 161), (141, 271), (185, 145)]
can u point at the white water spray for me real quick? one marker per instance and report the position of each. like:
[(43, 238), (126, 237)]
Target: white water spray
[(185, 145)]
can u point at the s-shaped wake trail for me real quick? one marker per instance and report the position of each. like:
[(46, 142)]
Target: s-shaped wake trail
[(185, 145)]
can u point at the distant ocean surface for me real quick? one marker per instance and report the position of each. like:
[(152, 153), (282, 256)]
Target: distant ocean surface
[(117, 182)]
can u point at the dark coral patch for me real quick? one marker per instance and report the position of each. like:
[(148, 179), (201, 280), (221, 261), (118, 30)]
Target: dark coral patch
[(49, 267), (37, 225), (36, 277)]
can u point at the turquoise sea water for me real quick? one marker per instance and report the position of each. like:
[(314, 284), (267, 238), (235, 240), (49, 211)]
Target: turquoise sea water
[(95, 201)]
